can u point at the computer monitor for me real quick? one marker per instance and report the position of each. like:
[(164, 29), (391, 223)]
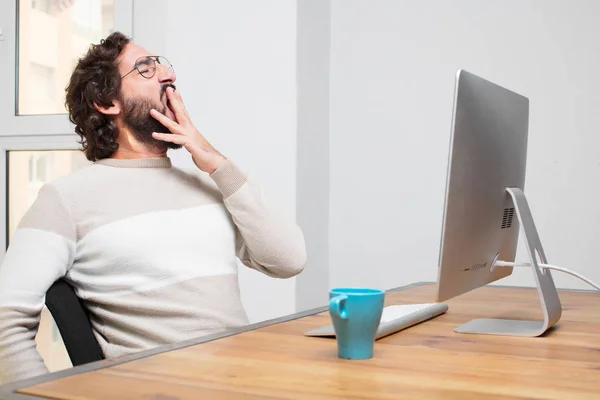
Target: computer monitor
[(485, 205)]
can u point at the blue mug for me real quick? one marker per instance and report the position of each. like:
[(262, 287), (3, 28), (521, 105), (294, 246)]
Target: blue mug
[(356, 314)]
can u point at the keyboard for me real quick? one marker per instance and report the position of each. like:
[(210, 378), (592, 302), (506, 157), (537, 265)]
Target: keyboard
[(394, 319), (394, 312)]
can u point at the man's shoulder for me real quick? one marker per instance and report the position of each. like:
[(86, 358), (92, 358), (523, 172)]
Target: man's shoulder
[(77, 180)]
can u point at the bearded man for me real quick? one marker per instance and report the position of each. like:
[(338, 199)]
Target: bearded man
[(150, 249)]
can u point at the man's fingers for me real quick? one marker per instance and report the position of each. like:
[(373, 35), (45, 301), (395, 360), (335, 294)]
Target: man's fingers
[(180, 100), (166, 121), (169, 137), (176, 103)]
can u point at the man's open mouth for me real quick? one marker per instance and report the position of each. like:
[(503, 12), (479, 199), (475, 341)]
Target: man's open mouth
[(163, 92)]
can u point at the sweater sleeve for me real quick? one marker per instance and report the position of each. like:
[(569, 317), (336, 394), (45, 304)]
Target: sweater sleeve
[(268, 241), (41, 251)]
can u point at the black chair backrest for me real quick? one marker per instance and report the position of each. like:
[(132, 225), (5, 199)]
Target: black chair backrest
[(73, 323)]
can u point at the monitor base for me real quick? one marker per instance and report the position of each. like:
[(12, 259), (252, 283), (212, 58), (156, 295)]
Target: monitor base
[(548, 294), (506, 327)]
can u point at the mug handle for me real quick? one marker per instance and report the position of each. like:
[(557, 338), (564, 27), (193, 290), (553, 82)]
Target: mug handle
[(337, 306)]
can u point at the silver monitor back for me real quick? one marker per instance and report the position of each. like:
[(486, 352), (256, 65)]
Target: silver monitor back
[(488, 153), (486, 205)]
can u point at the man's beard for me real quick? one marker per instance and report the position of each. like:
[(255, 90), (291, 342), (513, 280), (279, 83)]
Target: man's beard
[(136, 115)]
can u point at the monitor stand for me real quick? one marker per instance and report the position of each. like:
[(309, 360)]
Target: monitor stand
[(551, 307)]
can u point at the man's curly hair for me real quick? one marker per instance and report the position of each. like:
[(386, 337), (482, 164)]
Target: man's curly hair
[(96, 79)]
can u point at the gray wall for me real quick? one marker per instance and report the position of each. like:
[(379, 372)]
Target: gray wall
[(343, 109), (392, 73), (313, 149)]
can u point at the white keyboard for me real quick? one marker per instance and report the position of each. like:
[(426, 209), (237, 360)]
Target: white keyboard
[(391, 313), (394, 318)]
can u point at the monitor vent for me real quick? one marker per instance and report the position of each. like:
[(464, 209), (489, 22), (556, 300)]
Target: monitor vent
[(507, 219), (476, 267)]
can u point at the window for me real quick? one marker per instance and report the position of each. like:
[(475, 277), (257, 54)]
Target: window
[(38, 169), (42, 5), (28, 171), (37, 142), (41, 88), (53, 33)]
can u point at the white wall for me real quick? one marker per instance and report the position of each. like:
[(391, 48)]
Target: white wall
[(343, 108), (392, 73), (235, 62)]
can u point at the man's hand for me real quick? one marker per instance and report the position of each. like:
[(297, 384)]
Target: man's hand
[(184, 132)]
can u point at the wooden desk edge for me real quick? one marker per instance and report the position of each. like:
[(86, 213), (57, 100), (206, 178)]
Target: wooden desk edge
[(9, 391)]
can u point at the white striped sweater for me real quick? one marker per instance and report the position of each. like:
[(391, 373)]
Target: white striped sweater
[(151, 249)]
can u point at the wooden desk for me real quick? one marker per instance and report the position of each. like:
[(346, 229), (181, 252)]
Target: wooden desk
[(427, 361)]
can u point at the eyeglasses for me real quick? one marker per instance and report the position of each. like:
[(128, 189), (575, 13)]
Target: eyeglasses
[(146, 66)]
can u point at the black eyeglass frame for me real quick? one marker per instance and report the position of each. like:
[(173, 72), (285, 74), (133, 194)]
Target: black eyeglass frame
[(155, 60)]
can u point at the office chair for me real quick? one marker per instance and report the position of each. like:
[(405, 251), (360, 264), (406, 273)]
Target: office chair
[(73, 323)]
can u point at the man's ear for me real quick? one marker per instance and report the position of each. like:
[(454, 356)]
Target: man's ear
[(113, 109)]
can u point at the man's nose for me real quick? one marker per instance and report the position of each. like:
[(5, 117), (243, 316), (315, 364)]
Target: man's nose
[(165, 74)]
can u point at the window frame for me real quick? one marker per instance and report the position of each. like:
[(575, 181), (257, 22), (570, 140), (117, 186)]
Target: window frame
[(26, 143), (39, 125), (32, 132)]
